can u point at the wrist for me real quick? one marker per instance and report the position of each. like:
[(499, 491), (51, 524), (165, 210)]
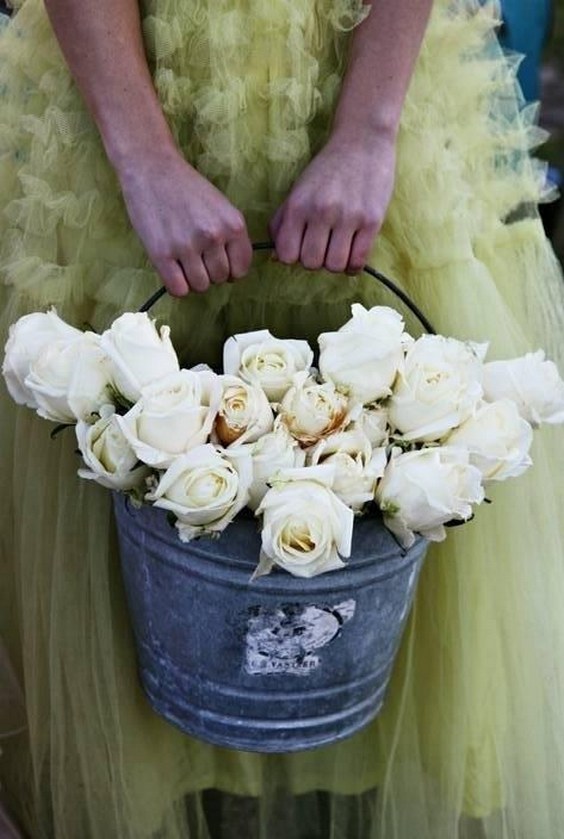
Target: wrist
[(151, 166), (363, 134), (357, 116), (135, 134), (128, 153)]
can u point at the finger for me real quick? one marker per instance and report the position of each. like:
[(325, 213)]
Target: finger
[(339, 250), (172, 277), (217, 264), (360, 249), (314, 245), (195, 272), (240, 256), (288, 241)]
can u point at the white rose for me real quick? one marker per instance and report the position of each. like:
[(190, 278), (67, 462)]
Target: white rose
[(363, 357), (107, 454), (310, 410), (533, 383), (438, 387), (69, 381), (263, 360), (306, 529), (357, 466), (373, 421), (498, 440), (272, 452), (27, 340), (140, 354), (91, 382), (172, 416), (423, 490), (205, 489), (244, 413)]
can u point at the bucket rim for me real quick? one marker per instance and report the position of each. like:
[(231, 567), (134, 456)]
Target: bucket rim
[(387, 564)]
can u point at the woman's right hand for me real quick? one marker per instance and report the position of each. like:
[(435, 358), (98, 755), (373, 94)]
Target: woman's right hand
[(192, 234)]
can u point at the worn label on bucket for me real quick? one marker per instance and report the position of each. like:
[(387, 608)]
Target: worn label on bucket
[(284, 639)]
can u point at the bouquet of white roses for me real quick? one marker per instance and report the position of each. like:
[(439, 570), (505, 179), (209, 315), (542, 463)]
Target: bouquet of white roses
[(415, 428)]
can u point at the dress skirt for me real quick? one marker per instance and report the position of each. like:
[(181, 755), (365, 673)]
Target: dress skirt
[(471, 740)]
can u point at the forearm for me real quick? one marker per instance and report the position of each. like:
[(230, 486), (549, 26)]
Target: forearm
[(383, 53), (103, 46), (191, 233), (336, 208)]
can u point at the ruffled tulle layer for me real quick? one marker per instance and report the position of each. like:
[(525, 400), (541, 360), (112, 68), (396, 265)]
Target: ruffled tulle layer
[(471, 742)]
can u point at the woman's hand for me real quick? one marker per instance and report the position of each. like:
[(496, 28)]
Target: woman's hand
[(335, 209), (192, 234)]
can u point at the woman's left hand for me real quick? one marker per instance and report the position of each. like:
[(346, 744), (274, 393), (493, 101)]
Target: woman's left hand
[(337, 206)]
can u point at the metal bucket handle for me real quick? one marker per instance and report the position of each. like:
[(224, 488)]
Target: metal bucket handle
[(385, 281)]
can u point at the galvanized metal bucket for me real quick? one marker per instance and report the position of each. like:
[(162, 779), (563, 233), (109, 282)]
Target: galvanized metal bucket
[(279, 664)]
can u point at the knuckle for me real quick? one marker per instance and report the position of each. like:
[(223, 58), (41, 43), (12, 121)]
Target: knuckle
[(328, 209), (159, 255), (178, 249), (356, 219), (297, 205), (372, 221), (180, 244), (210, 235), (236, 225)]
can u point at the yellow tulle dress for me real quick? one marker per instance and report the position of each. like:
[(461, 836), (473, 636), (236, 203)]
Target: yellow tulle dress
[(470, 744)]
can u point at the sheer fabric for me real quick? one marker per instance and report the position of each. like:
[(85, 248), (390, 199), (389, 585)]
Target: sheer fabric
[(471, 741)]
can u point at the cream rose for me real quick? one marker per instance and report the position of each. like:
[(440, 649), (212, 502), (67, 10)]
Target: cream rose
[(69, 381), (306, 529), (261, 359), (270, 453), (357, 466), (438, 387), (310, 410), (28, 338), (205, 489), (172, 416), (498, 440), (244, 412), (423, 490), (533, 383), (110, 459), (362, 358), (373, 421), (140, 354)]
